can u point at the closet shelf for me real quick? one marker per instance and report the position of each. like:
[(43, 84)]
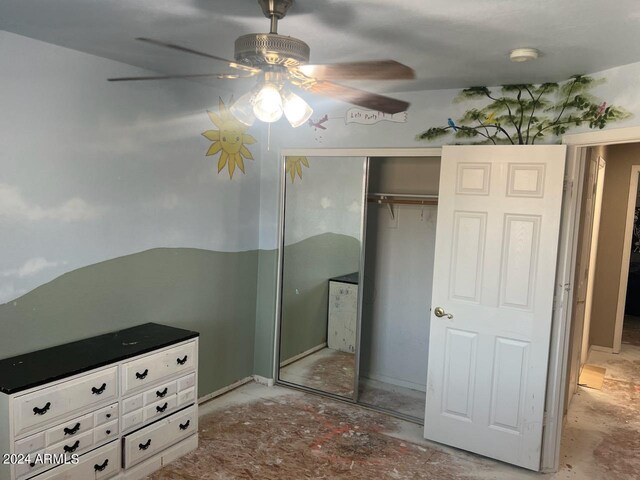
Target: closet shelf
[(391, 199), (402, 199)]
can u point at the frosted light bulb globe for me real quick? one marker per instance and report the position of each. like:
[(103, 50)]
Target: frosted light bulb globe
[(296, 109), (242, 109), (268, 104)]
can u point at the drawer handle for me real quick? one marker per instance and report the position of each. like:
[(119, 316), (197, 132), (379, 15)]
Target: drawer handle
[(72, 448), (162, 393), (184, 426), (108, 432), (99, 468), (144, 446), (43, 410), (182, 361), (71, 431), (162, 408), (98, 391), (142, 375)]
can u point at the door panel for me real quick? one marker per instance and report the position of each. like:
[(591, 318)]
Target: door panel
[(496, 246)]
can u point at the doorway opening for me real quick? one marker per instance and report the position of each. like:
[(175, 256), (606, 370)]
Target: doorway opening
[(607, 273)]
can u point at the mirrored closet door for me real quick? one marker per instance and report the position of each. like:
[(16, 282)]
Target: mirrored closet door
[(323, 222)]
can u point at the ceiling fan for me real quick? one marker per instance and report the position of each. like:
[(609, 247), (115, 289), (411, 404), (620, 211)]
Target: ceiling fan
[(280, 61)]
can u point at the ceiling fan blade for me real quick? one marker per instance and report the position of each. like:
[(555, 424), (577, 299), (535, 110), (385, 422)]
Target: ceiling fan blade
[(370, 70), (369, 100), (180, 48), (222, 76)]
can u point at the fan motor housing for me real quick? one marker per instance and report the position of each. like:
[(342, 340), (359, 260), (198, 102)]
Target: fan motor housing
[(258, 49)]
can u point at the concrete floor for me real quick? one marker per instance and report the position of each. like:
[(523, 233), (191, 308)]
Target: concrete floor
[(392, 397), (256, 432), (326, 370), (333, 371)]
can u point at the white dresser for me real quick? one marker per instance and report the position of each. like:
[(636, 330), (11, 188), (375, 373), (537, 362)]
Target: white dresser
[(343, 313), (119, 405)]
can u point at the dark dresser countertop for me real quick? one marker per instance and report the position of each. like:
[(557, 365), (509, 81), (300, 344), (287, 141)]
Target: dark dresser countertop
[(350, 278), (43, 366)]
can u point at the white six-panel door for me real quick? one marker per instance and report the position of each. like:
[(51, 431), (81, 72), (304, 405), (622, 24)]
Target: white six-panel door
[(495, 261)]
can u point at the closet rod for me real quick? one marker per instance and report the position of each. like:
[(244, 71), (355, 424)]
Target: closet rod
[(402, 199), (405, 195)]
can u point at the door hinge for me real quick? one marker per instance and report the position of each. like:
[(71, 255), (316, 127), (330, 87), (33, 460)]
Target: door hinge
[(545, 419), (568, 186)]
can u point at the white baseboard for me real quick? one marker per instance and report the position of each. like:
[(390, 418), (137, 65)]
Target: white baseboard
[(395, 381), (303, 354), (263, 380), (598, 348), (223, 390)]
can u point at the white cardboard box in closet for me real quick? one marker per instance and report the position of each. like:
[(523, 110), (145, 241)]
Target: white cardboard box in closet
[(343, 316), (92, 415)]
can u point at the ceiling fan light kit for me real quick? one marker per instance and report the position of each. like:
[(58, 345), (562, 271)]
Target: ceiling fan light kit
[(280, 62), (269, 100)]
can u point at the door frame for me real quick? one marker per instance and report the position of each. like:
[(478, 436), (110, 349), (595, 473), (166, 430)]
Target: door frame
[(561, 327), (626, 257), (594, 234)]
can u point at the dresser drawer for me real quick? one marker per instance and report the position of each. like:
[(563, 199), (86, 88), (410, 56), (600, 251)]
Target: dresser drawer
[(30, 444), (45, 406), (101, 463), (160, 408), (69, 429), (132, 403), (186, 382), (132, 419), (187, 396), (152, 368), (105, 431), (158, 393), (106, 414), (77, 444), (26, 470), (154, 438)]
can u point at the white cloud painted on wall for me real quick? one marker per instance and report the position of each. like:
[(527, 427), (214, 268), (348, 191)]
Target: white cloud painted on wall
[(8, 291), (14, 206), (31, 267), (325, 202), (168, 201)]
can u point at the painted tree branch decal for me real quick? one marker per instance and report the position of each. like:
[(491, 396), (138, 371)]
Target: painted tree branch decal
[(525, 114)]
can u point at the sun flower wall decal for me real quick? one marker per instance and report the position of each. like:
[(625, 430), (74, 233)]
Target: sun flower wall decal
[(293, 166), (229, 139)]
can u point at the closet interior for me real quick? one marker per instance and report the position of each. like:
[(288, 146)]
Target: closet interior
[(356, 278)]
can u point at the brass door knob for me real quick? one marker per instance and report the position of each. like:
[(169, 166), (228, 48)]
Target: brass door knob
[(439, 312)]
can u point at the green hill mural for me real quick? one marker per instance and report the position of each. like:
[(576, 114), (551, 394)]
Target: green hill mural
[(211, 292)]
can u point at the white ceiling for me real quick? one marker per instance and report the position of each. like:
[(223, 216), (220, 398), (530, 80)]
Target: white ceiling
[(450, 43)]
